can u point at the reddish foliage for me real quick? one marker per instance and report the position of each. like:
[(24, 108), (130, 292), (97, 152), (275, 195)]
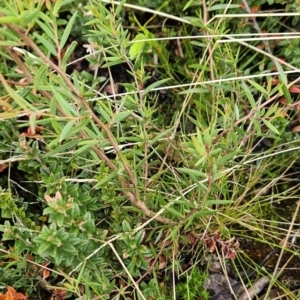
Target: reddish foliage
[(59, 294), (255, 9), (3, 167), (214, 242), (11, 294)]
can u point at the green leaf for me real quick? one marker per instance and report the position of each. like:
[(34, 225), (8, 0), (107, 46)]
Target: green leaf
[(106, 180), (197, 173), (48, 30), (40, 76), (249, 95), (67, 31), (29, 16), (185, 203), (19, 100), (81, 126), (154, 85), (174, 212), (9, 43), (66, 107), (223, 7), (57, 6), (272, 110), (198, 144), (126, 226), (271, 127), (259, 88), (120, 116), (62, 148), (236, 111), (120, 7), (85, 145), (221, 202), (10, 20), (70, 50), (66, 130), (257, 126), (137, 46), (104, 114), (189, 4), (112, 61), (139, 237), (287, 94), (282, 75), (201, 90), (225, 158), (48, 45)]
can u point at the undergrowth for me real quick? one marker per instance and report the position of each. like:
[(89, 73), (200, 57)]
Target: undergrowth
[(137, 140)]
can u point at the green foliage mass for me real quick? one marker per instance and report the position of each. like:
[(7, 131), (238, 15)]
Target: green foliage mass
[(171, 125)]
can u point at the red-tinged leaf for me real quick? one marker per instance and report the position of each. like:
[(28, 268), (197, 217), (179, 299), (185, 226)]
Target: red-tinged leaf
[(255, 9), (58, 195), (48, 198), (30, 131), (296, 129), (236, 245), (11, 294), (261, 46), (45, 273), (224, 249), (151, 262), (275, 81), (294, 89), (230, 240), (217, 236), (60, 294), (3, 167), (211, 245), (283, 101), (231, 255), (193, 239)]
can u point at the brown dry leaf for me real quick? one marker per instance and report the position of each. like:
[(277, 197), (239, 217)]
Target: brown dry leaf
[(162, 262), (193, 240), (45, 272), (111, 89)]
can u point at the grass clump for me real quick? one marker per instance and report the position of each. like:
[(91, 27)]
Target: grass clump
[(134, 137)]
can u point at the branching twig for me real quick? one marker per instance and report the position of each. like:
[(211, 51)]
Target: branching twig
[(124, 183)]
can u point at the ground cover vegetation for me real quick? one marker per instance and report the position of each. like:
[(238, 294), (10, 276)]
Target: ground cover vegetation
[(149, 150)]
